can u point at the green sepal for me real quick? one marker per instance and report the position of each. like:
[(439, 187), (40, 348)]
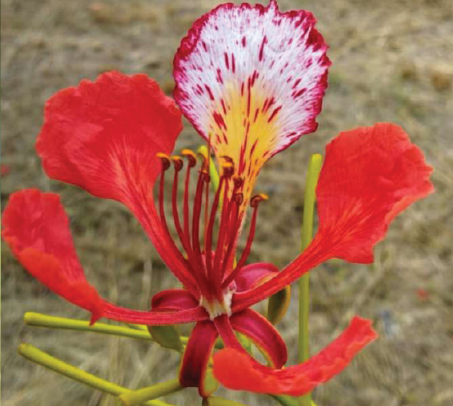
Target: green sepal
[(278, 305), (166, 337)]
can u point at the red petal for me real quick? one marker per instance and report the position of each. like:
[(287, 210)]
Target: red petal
[(173, 299), (237, 370), (370, 175), (251, 79), (104, 136), (196, 355), (37, 230), (263, 335), (253, 275)]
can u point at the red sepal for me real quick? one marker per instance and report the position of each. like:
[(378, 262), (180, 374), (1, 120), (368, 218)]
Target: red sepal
[(36, 228), (196, 356), (263, 335), (235, 369)]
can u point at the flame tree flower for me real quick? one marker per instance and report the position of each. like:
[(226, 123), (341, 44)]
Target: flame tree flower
[(251, 81)]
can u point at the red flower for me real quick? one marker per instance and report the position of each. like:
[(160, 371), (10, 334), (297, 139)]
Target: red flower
[(251, 80)]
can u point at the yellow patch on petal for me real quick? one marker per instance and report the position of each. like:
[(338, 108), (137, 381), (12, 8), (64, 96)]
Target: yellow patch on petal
[(244, 127)]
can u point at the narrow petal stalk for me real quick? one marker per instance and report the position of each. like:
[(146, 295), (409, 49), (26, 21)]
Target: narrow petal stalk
[(37, 356), (314, 168)]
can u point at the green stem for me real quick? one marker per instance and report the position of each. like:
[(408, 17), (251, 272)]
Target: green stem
[(141, 396), (44, 320), (37, 356), (314, 169)]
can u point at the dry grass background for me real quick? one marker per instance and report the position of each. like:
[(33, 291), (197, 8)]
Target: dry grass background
[(392, 61)]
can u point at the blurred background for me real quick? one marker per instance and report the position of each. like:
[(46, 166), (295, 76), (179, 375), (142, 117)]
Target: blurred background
[(392, 61)]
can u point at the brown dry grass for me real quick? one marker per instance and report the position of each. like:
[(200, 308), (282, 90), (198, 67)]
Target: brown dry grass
[(392, 61)]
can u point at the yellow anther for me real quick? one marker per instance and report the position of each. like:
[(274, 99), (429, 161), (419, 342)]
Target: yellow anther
[(177, 162), (257, 199), (227, 169), (191, 156), (165, 160)]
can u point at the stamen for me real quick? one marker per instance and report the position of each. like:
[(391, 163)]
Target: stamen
[(224, 220), (209, 231), (254, 202), (228, 222), (203, 177), (233, 229), (227, 172), (187, 278), (191, 156), (178, 165), (192, 161), (165, 159)]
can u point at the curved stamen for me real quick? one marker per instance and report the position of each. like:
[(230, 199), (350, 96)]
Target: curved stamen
[(231, 225), (185, 276), (233, 229), (224, 221), (194, 259), (198, 203), (209, 231), (192, 161), (178, 165), (254, 202), (165, 159)]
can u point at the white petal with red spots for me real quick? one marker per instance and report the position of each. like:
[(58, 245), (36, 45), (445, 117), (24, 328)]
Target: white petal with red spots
[(252, 79)]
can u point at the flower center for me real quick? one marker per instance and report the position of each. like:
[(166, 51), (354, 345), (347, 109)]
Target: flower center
[(211, 269), (216, 308)]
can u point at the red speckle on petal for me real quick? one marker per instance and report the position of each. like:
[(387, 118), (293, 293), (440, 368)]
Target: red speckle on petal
[(274, 113), (227, 62), (256, 115), (261, 54), (208, 89), (219, 76), (299, 92), (219, 120), (223, 106)]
